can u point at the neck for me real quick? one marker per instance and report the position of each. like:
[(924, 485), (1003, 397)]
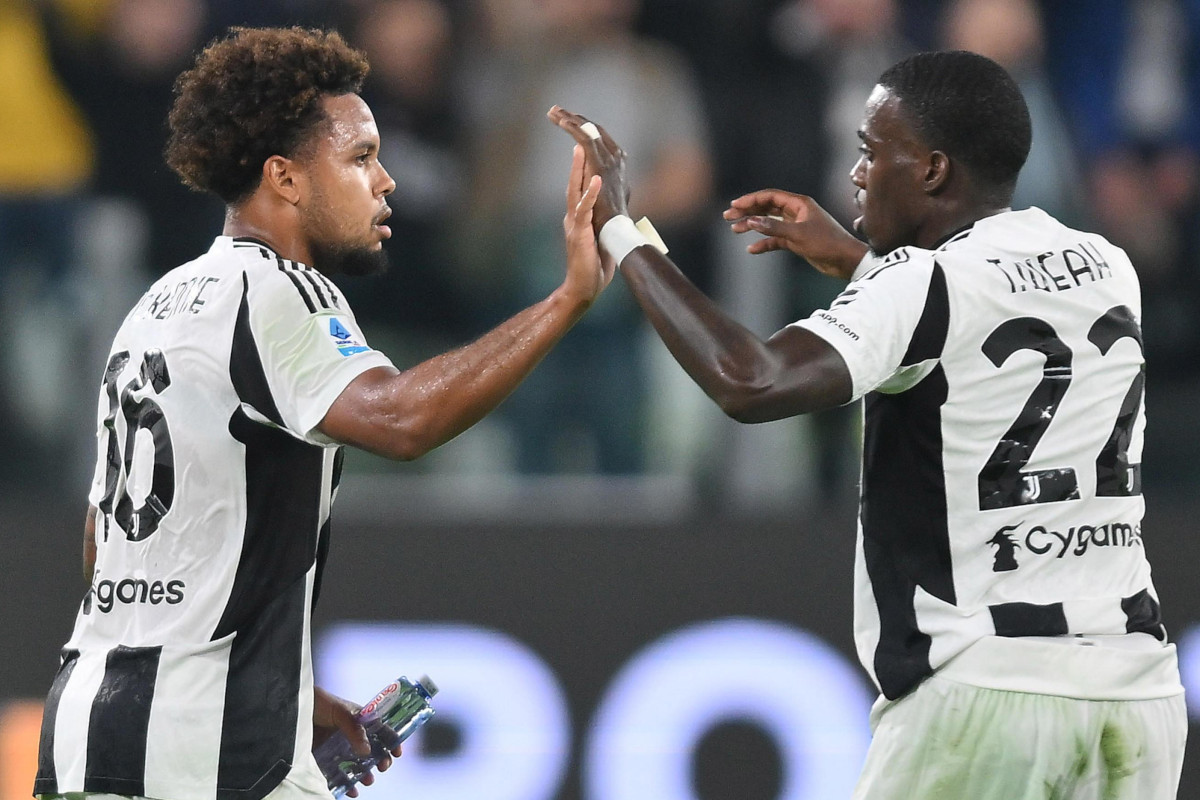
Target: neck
[(271, 227)]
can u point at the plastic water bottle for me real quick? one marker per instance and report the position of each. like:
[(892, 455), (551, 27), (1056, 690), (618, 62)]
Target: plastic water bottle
[(391, 717)]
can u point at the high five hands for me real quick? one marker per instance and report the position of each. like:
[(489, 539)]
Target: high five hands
[(587, 270), (786, 220), (604, 157)]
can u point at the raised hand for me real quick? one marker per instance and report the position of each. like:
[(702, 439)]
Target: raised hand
[(797, 223), (604, 157), (586, 270)]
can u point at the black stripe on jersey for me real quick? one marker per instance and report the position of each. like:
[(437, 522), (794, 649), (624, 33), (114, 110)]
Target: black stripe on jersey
[(929, 337), (906, 539), (316, 285), (46, 781), (328, 287), (900, 255), (245, 364), (953, 236), (262, 707), (283, 494), (262, 251), (1143, 615), (339, 461), (312, 309), (250, 241), (315, 279), (266, 608), (307, 271), (120, 722), (1029, 619), (323, 540)]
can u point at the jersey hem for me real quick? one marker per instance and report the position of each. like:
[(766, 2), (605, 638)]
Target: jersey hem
[(1079, 667)]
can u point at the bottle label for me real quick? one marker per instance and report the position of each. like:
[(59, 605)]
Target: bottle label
[(372, 707)]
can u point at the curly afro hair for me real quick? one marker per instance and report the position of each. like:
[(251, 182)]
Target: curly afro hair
[(252, 94)]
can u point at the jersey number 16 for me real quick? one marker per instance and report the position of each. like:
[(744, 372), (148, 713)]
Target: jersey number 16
[(135, 402)]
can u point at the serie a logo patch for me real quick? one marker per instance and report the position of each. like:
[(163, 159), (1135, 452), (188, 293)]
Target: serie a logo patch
[(345, 341)]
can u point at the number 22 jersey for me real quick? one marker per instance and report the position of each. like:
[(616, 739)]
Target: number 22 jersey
[(188, 675), (1003, 378)]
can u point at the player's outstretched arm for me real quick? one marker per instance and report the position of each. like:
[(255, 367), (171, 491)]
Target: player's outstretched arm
[(797, 223), (752, 380), (405, 414)]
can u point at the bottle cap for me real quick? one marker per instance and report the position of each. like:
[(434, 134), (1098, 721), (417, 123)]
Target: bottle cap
[(427, 683)]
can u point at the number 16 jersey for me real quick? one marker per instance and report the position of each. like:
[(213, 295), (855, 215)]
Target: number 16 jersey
[(1003, 378), (188, 675)]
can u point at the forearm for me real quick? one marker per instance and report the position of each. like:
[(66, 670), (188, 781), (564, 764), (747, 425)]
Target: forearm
[(406, 414), (458, 388), (728, 361), (89, 544), (794, 372)]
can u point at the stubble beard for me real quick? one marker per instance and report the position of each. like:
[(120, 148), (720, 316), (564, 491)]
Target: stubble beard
[(339, 257), (343, 259)]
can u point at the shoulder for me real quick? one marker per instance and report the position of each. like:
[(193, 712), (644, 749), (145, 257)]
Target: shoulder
[(1025, 229), (1038, 247), (270, 278)]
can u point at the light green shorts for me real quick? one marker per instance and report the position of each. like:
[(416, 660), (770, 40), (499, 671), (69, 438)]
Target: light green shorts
[(953, 741)]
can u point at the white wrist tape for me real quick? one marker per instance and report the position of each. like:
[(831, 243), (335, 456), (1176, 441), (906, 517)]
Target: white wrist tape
[(620, 236), (652, 237)]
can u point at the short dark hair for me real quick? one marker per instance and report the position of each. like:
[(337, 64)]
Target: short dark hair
[(968, 107), (252, 94)]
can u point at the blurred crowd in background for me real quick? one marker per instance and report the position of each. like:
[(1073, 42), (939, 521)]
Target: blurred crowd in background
[(711, 98)]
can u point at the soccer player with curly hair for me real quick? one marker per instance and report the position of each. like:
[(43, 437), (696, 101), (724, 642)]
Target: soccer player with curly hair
[(228, 392)]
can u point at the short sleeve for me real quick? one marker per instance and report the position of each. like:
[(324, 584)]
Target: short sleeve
[(310, 347), (872, 323)]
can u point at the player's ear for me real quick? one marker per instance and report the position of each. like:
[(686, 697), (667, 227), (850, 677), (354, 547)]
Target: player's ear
[(281, 176), (937, 172)]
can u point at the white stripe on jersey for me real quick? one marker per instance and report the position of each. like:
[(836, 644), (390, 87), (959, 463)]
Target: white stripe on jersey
[(71, 727), (187, 728)]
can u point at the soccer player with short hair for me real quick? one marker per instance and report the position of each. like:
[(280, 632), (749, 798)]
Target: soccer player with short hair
[(228, 391), (1003, 600)]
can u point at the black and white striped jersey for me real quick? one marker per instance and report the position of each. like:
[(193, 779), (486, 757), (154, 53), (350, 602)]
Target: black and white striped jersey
[(188, 675), (1001, 489)]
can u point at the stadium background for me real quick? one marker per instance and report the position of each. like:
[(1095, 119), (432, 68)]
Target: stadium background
[(677, 625)]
